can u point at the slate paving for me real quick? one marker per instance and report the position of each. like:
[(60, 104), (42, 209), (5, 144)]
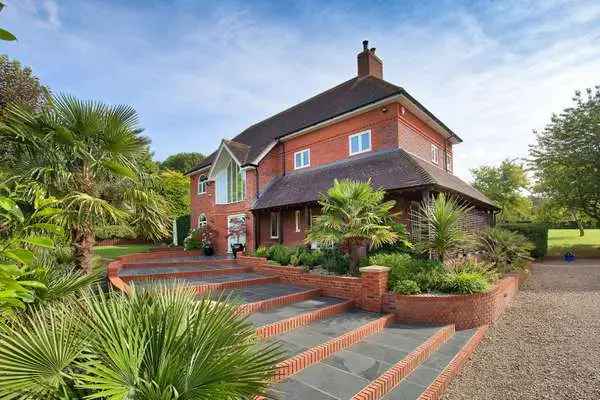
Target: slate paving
[(262, 318), (411, 387), (254, 293), (127, 272), (199, 280)]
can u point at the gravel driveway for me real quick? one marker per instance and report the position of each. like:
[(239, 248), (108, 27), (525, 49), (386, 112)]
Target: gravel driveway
[(546, 345)]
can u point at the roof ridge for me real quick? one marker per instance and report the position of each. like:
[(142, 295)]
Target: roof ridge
[(297, 105)]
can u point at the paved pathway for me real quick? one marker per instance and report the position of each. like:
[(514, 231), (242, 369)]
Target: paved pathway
[(546, 345)]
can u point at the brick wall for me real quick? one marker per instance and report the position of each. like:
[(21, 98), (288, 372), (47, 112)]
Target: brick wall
[(465, 311)]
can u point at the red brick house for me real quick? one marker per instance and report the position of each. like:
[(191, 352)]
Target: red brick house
[(272, 173)]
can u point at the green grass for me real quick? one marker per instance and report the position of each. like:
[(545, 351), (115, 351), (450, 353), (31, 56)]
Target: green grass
[(562, 240), (112, 252)]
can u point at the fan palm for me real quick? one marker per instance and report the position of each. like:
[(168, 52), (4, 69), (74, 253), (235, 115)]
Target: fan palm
[(156, 344), (443, 216), (90, 156), (353, 214)]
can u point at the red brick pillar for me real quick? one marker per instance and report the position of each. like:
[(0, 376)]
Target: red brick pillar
[(374, 286)]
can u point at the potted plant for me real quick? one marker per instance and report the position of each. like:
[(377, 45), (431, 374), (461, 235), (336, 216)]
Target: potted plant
[(237, 230), (201, 238)]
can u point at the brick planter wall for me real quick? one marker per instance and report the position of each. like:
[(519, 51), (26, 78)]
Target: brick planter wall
[(465, 311)]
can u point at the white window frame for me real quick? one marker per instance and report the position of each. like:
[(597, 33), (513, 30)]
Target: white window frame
[(307, 151), (277, 217), (202, 223), (297, 215), (435, 154), (449, 166), (359, 134), (229, 184), (202, 184)]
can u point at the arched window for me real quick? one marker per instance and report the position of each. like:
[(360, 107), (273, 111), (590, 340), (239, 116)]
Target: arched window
[(202, 220), (202, 184)]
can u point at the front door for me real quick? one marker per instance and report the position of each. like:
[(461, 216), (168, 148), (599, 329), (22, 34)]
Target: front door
[(236, 226)]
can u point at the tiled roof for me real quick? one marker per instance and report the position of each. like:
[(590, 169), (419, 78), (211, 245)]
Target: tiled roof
[(387, 169), (346, 97)]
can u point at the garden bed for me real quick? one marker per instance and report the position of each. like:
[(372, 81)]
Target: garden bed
[(465, 311)]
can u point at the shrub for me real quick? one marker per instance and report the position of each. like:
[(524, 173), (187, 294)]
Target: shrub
[(199, 238), (465, 283), (506, 250), (407, 286), (487, 270), (402, 245), (336, 262), (280, 253), (398, 264), (114, 232), (306, 257), (536, 233), (262, 251)]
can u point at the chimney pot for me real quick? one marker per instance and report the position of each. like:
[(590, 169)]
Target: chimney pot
[(368, 63)]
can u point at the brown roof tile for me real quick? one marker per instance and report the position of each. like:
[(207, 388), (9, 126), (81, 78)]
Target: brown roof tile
[(387, 169)]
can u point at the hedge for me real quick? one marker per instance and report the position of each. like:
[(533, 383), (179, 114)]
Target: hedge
[(536, 233), (183, 226)]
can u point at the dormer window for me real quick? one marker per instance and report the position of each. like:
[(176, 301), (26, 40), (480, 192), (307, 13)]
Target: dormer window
[(202, 181), (435, 154), (302, 159), (359, 142)]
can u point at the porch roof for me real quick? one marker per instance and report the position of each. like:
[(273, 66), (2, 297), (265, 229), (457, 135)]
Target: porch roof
[(387, 169)]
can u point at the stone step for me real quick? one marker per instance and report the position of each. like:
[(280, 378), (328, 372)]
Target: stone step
[(288, 317), (364, 369), (311, 344), (217, 282), (179, 272), (429, 380)]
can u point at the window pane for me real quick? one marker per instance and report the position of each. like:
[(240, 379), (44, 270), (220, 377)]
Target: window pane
[(366, 141), (298, 159), (307, 157), (354, 144)]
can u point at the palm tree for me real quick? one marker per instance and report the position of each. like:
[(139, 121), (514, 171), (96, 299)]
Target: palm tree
[(354, 214), (443, 216), (90, 156), (155, 344)]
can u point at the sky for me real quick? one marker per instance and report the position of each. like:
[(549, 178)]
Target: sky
[(199, 71)]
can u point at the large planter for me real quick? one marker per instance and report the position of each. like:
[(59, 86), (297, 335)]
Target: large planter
[(208, 251)]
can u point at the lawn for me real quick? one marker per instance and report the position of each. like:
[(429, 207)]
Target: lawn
[(112, 252), (561, 240)]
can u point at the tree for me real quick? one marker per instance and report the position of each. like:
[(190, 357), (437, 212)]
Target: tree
[(175, 188), (566, 157), (505, 185), (18, 85), (4, 34), (182, 162), (88, 155), (156, 344), (443, 216), (354, 215)]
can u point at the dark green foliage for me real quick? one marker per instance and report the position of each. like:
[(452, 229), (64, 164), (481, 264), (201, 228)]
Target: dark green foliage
[(184, 225), (536, 233), (403, 267), (262, 251), (306, 257), (505, 250), (280, 253), (114, 232), (182, 162), (335, 261), (407, 286)]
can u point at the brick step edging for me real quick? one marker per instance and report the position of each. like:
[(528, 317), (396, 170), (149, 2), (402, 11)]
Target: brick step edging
[(186, 274), (235, 284), (393, 376), (268, 304), (436, 389), (318, 353), (137, 264), (304, 319)]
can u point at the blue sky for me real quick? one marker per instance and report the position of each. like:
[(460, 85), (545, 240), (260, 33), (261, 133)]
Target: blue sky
[(198, 71)]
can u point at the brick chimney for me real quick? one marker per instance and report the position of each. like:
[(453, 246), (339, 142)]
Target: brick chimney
[(369, 63)]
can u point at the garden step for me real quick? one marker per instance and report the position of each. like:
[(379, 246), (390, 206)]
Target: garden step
[(165, 265), (311, 344), (179, 272), (286, 318), (434, 374), (218, 282), (363, 369), (267, 297)]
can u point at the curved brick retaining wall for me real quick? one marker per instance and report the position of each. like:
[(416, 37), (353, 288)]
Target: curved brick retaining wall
[(465, 311)]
